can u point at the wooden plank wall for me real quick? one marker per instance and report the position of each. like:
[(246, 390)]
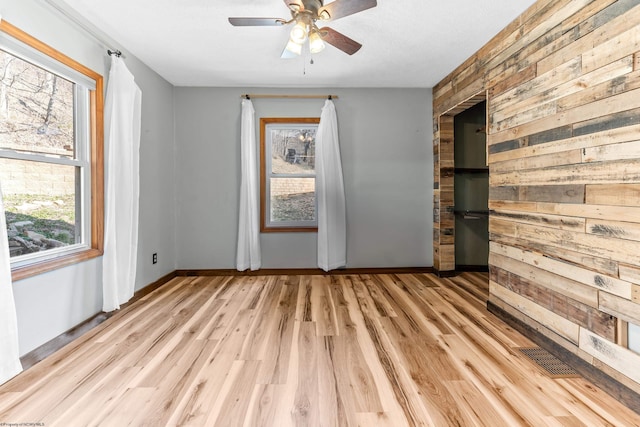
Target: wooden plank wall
[(563, 92)]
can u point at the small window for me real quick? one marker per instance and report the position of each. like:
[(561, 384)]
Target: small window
[(288, 178), (50, 144), (633, 337)]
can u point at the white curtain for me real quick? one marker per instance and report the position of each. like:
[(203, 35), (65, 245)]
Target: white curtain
[(122, 138), (332, 218), (9, 353), (248, 254)]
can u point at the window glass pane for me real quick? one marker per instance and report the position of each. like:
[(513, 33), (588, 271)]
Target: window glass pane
[(41, 202), (36, 109), (293, 199), (634, 337), (293, 150)]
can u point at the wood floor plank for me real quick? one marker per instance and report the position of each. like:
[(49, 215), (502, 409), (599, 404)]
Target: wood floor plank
[(82, 412), (323, 311), (231, 407), (306, 409), (335, 350), (472, 405), (263, 404)]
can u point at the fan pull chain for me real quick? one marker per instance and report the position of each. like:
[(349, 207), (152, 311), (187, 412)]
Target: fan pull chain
[(304, 67)]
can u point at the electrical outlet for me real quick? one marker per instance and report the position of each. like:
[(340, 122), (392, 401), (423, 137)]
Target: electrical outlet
[(155, 258)]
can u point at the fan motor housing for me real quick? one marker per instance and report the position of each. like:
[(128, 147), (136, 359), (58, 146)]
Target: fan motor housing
[(312, 6)]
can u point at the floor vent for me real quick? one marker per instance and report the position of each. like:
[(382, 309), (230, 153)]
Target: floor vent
[(553, 366)]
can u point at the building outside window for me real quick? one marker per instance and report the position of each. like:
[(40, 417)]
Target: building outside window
[(288, 179)]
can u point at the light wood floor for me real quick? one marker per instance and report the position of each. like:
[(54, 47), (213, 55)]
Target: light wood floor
[(358, 350)]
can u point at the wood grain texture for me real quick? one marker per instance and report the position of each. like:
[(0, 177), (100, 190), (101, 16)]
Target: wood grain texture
[(337, 350), (563, 88)]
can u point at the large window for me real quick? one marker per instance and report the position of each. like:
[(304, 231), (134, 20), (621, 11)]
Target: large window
[(50, 155), (288, 176)]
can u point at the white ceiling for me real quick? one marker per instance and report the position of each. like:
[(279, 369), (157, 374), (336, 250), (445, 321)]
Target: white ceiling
[(406, 43)]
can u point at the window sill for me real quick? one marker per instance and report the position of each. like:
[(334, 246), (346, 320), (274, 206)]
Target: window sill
[(289, 230), (35, 269)]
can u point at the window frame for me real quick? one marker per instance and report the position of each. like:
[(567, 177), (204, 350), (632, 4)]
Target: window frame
[(94, 189), (265, 176)]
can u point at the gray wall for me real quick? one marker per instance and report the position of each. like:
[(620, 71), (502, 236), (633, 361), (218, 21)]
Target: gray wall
[(52, 303), (385, 138)]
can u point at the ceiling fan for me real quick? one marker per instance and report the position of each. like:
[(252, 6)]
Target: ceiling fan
[(305, 14)]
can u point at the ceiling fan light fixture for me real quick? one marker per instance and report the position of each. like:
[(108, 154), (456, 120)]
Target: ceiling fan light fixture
[(299, 32), (316, 45), (293, 47)]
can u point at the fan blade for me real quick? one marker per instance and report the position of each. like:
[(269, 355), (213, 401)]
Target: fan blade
[(294, 5), (253, 22), (342, 8), (339, 40)]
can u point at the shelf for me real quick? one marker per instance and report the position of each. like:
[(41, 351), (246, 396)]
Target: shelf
[(469, 214), (471, 170)]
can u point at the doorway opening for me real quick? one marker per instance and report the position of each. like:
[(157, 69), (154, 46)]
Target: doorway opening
[(471, 189)]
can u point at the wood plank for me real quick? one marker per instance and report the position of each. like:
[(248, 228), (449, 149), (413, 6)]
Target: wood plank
[(237, 391), (556, 221), (599, 265), (617, 46), (603, 212), (514, 80), (618, 119), (614, 104), (535, 162), (630, 273), (472, 410), (591, 398), (558, 324), (625, 309), (263, 404), (616, 229), (608, 136), (555, 193), (620, 20), (550, 17), (629, 150), (545, 296), (586, 13), (615, 194), (507, 103), (600, 91), (621, 359), (625, 251), (576, 273), (610, 172), (585, 294), (598, 84)]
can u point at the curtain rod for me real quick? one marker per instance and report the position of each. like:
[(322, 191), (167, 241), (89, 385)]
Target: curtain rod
[(259, 95), (106, 42)]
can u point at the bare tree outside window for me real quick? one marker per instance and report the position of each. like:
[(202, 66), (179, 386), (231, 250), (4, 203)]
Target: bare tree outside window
[(36, 107), (37, 117)]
